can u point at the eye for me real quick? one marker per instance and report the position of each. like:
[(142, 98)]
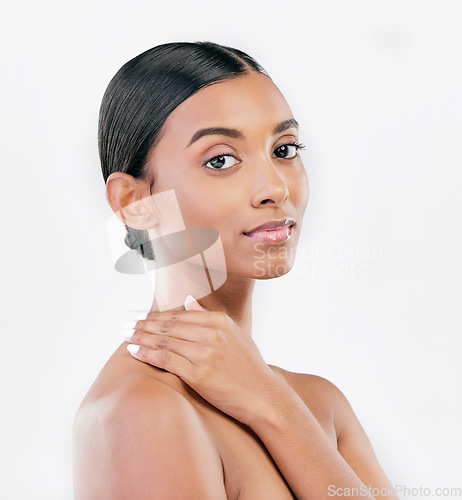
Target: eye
[(220, 162), (289, 151)]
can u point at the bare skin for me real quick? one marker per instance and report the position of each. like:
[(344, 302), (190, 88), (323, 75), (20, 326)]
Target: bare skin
[(142, 431)]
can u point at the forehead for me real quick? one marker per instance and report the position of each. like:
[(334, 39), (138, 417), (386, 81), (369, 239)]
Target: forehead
[(246, 103)]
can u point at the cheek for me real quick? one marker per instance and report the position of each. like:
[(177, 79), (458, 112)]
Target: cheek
[(299, 190), (206, 204), (307, 191)]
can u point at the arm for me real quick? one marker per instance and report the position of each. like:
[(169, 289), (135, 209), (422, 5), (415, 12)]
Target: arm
[(311, 465), (148, 445)]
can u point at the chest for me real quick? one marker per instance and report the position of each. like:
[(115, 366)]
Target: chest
[(249, 470)]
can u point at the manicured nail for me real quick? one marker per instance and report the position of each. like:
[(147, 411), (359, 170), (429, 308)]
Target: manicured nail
[(191, 304), (133, 349), (130, 325), (189, 301), (128, 334)]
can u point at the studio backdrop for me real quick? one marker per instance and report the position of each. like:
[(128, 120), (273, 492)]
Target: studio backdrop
[(372, 302)]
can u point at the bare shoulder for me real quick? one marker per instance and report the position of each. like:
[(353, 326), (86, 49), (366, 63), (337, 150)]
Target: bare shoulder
[(320, 395), (327, 394), (138, 438), (313, 387), (325, 398)]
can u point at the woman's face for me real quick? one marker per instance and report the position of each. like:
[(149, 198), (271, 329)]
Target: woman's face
[(236, 181)]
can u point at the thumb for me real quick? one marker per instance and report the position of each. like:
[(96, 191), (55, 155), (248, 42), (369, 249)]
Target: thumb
[(191, 304)]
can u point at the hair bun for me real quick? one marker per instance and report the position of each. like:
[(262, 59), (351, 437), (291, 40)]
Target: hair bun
[(137, 239)]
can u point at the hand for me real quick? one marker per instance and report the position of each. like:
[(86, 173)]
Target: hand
[(211, 354)]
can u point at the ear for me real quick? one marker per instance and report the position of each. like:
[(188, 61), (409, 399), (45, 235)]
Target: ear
[(131, 201)]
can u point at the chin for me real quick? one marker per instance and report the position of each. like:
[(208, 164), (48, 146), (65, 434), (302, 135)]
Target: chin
[(267, 269), (261, 262), (273, 273)]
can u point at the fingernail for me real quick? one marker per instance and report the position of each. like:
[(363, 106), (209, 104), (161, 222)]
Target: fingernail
[(128, 334), (130, 325), (133, 349), (190, 300)]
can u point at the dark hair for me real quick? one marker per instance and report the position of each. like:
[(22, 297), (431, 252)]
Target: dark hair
[(141, 96)]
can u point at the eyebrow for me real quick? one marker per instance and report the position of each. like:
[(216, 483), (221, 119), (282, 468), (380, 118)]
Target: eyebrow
[(237, 134)]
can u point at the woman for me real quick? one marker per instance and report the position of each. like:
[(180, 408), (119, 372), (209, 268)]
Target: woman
[(187, 408)]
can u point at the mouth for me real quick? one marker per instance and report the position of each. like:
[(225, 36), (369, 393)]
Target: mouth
[(274, 231)]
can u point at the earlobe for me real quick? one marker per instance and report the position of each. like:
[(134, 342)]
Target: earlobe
[(129, 200)]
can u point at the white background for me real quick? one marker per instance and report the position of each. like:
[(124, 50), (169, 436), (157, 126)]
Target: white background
[(373, 301)]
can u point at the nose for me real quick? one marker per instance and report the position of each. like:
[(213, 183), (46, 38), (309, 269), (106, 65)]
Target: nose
[(269, 187)]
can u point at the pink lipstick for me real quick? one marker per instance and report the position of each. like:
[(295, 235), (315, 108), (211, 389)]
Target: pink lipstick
[(273, 231)]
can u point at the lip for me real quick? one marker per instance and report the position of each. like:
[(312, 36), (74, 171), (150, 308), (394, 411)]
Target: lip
[(273, 225), (272, 236)]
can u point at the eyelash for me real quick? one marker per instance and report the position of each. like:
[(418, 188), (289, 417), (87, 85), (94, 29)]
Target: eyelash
[(298, 145)]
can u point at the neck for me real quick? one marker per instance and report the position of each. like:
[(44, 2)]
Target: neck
[(234, 297)]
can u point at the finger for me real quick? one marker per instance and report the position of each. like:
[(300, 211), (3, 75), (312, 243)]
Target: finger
[(192, 351), (167, 360), (176, 310), (193, 332), (191, 316)]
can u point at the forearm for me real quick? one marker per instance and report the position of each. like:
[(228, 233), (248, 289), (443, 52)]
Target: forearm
[(300, 448)]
